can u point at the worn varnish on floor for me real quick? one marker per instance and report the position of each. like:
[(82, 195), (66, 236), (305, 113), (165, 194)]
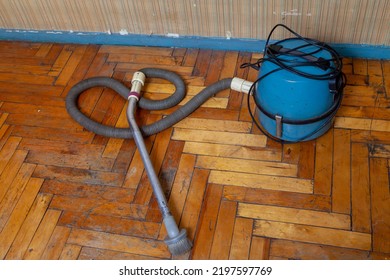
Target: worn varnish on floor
[(66, 193)]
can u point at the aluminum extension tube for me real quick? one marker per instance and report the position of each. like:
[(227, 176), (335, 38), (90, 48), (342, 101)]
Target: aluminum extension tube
[(177, 241)]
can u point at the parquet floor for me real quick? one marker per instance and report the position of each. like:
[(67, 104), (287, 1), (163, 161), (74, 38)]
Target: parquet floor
[(66, 193)]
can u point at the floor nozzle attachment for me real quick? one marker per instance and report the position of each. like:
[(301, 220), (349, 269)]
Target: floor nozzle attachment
[(179, 244)]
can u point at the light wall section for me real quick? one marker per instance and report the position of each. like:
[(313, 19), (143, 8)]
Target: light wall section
[(333, 21)]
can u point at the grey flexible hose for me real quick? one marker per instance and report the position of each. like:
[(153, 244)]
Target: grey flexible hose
[(144, 103)]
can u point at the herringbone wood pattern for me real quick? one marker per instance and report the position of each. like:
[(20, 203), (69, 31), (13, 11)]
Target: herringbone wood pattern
[(66, 193)]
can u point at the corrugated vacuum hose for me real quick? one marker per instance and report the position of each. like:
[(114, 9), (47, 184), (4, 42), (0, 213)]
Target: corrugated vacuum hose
[(177, 240)]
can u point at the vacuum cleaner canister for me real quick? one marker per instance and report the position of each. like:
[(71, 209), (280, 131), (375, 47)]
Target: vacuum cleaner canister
[(299, 89)]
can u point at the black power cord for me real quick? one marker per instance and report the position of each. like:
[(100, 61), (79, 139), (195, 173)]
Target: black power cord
[(273, 53)]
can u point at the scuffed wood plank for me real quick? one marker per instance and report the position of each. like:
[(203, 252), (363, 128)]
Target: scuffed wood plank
[(29, 227), (207, 224), (70, 252), (362, 124), (213, 102), (359, 91), (42, 235), (26, 79), (5, 132), (356, 80), (70, 66), (118, 242), (379, 150), (214, 113), (120, 225), (261, 181), (170, 164), (83, 67), (214, 125), (194, 200), (18, 215), (43, 50), (53, 134), (181, 185), (360, 66), (135, 50), (311, 234), (8, 150), (360, 189), (136, 168), (380, 204), (224, 230), (34, 109), (291, 153), (77, 190), (14, 191), (380, 125), (296, 216), (63, 122), (10, 171), (213, 73), (60, 158), (60, 62), (248, 166), (341, 189), (3, 116), (98, 206), (305, 251), (79, 175), (88, 253), (56, 243), (138, 59), (280, 198), (122, 210), (202, 63), (306, 160), (233, 151), (323, 164), (220, 137), (260, 248), (352, 123), (112, 148), (241, 241), (364, 136), (190, 57)]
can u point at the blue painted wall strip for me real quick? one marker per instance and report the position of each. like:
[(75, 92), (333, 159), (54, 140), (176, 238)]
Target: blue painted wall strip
[(233, 44)]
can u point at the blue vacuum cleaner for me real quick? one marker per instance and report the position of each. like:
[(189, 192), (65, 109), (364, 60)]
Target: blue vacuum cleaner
[(299, 88), (297, 94)]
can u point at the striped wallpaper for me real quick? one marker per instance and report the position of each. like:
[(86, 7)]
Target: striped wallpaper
[(333, 21)]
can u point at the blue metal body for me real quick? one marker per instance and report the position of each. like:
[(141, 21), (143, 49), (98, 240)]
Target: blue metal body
[(294, 97)]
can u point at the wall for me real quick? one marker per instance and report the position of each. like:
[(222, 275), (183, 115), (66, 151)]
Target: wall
[(333, 21)]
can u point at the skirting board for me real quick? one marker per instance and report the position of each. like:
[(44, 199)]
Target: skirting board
[(174, 40)]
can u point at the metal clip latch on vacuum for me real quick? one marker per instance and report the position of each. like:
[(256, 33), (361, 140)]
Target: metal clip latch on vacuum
[(278, 120)]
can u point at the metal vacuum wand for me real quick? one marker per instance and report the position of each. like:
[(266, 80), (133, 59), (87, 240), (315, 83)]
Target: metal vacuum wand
[(177, 241)]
